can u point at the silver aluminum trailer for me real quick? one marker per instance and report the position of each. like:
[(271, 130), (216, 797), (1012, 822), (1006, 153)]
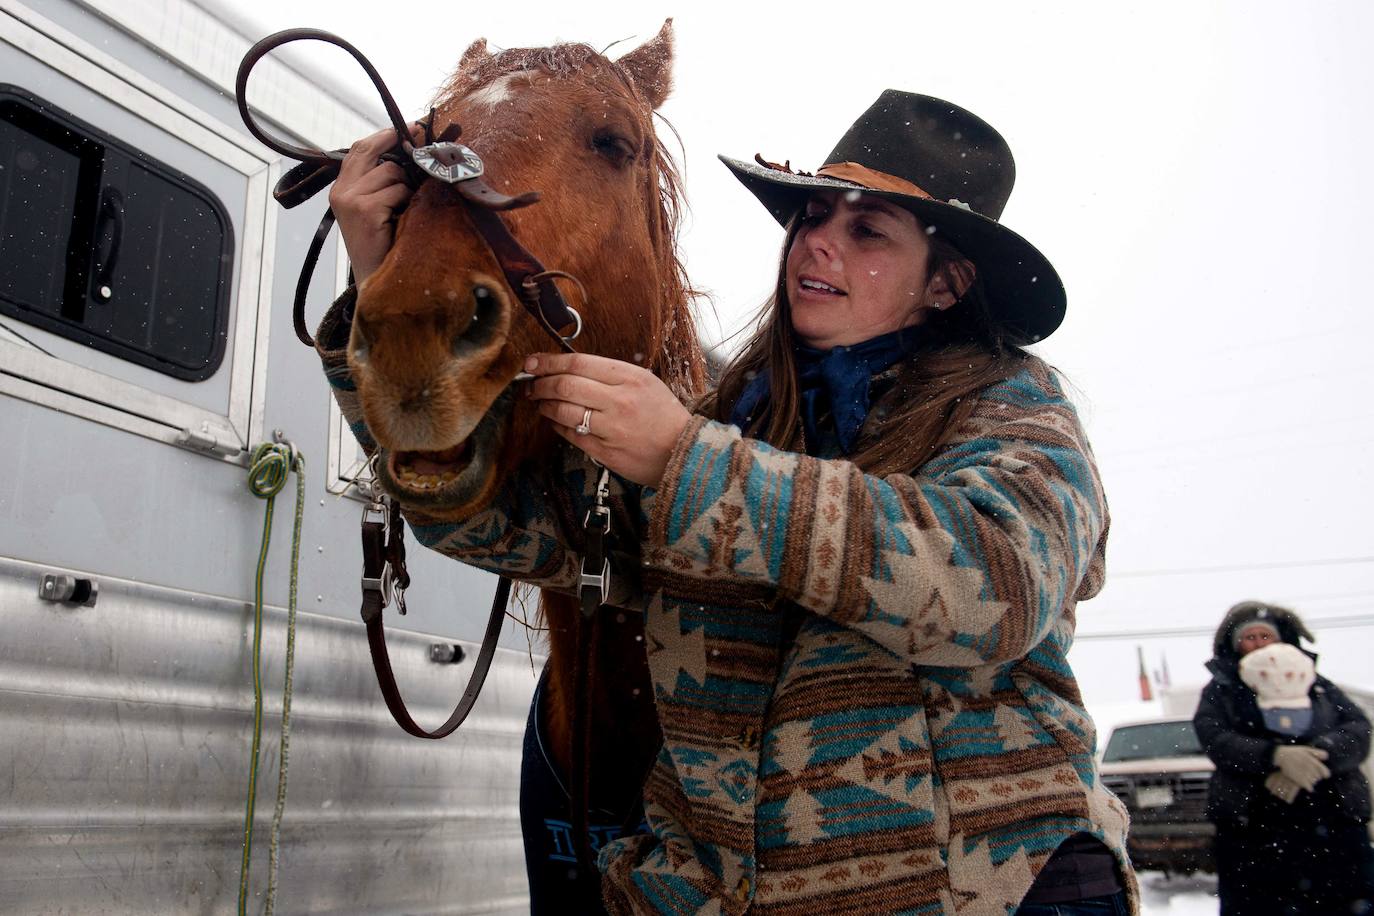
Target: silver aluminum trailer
[(125, 725)]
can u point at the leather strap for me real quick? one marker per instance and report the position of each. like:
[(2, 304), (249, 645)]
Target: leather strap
[(543, 301), (312, 257), (306, 154), (594, 586), (376, 569), (579, 780), (593, 590)]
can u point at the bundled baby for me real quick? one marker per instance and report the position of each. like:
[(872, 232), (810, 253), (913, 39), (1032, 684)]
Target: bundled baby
[(1280, 674)]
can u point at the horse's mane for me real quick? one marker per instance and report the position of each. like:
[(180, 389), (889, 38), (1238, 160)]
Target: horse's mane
[(682, 364)]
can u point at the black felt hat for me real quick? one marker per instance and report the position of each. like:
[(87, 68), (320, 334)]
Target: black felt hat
[(950, 168)]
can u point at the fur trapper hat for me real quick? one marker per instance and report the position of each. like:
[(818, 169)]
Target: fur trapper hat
[(1289, 625)]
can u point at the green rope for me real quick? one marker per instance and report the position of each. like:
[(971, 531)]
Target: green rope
[(269, 467)]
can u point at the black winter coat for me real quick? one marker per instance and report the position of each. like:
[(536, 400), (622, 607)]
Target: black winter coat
[(1231, 728)]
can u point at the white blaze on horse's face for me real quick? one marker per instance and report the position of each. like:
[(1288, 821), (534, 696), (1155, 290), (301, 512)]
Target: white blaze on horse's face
[(439, 332), (496, 92)]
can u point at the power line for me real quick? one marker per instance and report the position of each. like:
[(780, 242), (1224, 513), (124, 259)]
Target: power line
[(1239, 567), (1320, 623)]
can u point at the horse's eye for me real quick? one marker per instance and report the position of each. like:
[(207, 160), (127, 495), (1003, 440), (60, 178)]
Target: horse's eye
[(614, 147)]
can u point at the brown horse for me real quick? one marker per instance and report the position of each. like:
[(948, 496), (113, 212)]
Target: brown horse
[(444, 335)]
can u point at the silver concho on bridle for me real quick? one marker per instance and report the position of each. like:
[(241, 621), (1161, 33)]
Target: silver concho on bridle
[(452, 163), (448, 162)]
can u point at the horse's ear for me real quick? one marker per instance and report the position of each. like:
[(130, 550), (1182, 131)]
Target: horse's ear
[(651, 65), (476, 52)]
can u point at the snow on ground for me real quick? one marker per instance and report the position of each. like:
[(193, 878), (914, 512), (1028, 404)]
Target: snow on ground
[(1177, 895)]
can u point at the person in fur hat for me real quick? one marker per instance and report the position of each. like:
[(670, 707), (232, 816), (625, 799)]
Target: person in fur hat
[(1289, 801)]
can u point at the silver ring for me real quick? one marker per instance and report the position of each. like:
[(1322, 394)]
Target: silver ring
[(577, 329), (585, 426)]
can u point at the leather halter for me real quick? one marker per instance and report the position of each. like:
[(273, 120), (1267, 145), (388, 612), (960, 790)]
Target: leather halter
[(384, 572)]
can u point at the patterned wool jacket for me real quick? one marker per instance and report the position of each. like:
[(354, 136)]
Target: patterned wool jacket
[(862, 681)]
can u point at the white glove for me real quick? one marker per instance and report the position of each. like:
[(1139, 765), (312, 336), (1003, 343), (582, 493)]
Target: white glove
[(1282, 787), (1302, 764)]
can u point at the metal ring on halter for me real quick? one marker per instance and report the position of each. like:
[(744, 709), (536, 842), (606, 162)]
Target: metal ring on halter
[(585, 426), (576, 330)]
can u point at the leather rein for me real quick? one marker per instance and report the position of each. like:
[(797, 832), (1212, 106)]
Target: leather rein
[(385, 577)]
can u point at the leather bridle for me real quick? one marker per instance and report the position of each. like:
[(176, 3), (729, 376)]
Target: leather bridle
[(385, 577), (442, 158)]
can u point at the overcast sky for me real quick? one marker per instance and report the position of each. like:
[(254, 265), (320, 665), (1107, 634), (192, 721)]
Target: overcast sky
[(1198, 173)]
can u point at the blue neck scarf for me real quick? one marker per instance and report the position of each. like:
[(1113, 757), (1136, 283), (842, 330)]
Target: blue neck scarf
[(834, 383)]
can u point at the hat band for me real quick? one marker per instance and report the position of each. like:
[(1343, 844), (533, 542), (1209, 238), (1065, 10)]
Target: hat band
[(872, 179)]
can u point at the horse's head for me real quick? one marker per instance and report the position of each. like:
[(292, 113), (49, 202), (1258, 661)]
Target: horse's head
[(439, 335)]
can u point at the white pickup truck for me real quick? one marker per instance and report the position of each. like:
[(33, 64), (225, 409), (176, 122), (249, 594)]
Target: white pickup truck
[(1158, 770)]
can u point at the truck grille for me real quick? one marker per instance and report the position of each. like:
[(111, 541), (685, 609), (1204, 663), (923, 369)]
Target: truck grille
[(1188, 797)]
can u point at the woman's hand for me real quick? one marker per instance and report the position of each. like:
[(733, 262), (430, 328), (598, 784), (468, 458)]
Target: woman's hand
[(1282, 788), (1302, 764), (365, 198), (632, 421)]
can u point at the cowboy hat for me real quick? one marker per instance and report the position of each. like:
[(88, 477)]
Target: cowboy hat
[(951, 169)]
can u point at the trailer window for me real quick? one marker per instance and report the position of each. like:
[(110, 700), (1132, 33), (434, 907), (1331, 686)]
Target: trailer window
[(105, 246)]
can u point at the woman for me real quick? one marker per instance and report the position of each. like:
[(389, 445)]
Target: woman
[(1291, 810), (860, 555)]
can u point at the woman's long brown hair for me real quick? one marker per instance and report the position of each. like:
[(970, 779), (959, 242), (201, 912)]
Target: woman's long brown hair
[(959, 351)]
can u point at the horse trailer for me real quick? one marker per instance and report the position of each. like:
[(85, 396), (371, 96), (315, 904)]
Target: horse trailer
[(146, 351)]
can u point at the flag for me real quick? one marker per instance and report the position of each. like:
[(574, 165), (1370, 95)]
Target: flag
[(1145, 692)]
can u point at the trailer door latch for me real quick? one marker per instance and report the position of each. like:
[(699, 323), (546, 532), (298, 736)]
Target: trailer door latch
[(68, 589)]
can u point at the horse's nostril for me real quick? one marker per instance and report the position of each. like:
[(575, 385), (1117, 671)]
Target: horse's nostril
[(416, 401), (482, 297), (481, 328), (359, 343)]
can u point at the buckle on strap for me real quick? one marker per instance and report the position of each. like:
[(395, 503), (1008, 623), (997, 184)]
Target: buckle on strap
[(599, 511), (374, 513), (597, 520), (383, 584), (601, 581), (597, 524), (376, 526)]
